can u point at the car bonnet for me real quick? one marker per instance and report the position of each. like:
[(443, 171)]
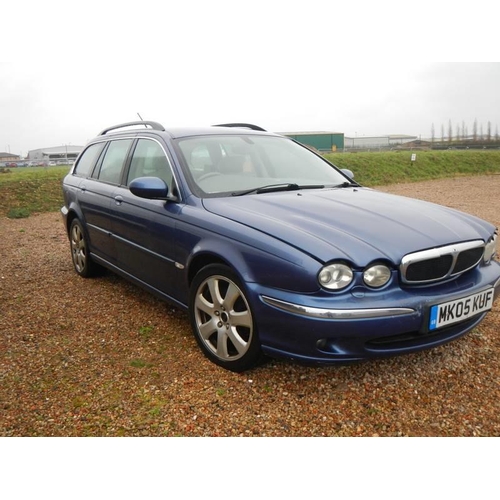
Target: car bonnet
[(358, 225)]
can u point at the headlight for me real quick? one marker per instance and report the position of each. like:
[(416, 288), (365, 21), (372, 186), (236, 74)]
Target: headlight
[(377, 276), (335, 276), (490, 249)]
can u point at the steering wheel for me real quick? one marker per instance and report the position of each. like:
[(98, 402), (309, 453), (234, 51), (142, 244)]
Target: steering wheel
[(207, 175)]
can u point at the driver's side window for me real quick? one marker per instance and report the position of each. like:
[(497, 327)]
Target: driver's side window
[(149, 160)]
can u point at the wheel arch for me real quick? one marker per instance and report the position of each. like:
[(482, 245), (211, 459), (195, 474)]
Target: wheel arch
[(74, 213), (202, 260)]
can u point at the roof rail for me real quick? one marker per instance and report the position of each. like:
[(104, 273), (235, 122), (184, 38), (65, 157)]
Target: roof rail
[(241, 125), (153, 125)]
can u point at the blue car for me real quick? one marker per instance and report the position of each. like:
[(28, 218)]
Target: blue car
[(271, 249)]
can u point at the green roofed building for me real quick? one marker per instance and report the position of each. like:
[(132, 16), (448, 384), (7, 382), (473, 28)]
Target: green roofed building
[(322, 141)]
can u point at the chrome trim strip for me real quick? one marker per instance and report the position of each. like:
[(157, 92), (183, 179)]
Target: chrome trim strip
[(434, 253), (316, 312)]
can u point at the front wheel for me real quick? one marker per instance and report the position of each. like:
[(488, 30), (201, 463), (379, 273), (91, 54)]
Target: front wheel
[(222, 319)]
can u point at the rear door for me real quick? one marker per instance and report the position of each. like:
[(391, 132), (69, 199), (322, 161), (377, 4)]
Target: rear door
[(96, 195)]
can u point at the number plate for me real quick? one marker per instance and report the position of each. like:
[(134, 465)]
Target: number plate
[(458, 310)]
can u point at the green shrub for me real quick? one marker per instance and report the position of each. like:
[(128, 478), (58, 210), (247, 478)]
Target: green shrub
[(18, 213)]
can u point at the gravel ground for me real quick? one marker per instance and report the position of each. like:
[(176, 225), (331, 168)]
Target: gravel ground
[(101, 357)]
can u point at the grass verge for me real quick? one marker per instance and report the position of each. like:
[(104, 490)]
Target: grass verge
[(24, 191), (377, 169)]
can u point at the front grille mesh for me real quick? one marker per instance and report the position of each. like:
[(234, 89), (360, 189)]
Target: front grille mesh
[(440, 263), (468, 259), (431, 269)]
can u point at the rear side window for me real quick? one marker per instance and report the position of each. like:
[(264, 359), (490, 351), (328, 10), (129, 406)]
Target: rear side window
[(87, 159), (112, 164)]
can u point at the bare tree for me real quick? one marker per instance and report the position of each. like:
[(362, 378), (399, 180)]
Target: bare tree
[(442, 133), (497, 138), (488, 132), (450, 131), (463, 131), (458, 133), (433, 133), (474, 130), (481, 135)]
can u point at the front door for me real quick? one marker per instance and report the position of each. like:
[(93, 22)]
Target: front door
[(145, 230)]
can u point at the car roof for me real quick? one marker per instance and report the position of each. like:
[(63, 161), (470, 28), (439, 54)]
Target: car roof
[(177, 133), (180, 132)]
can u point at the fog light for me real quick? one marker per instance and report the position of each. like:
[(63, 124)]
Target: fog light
[(377, 276)]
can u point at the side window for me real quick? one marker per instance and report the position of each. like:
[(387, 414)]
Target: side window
[(112, 164), (149, 160), (87, 159)]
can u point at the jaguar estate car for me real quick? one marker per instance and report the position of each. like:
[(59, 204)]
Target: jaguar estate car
[(272, 250)]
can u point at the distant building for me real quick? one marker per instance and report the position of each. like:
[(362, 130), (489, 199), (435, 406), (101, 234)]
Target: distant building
[(322, 141), (9, 157), (377, 142), (57, 153)]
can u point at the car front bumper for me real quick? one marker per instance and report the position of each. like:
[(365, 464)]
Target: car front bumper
[(352, 327)]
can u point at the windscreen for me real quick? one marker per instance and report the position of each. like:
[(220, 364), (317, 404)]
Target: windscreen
[(228, 164)]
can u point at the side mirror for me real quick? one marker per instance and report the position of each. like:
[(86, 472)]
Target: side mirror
[(347, 172), (152, 188)]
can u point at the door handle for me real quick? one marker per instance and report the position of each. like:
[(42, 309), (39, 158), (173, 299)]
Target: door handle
[(118, 200)]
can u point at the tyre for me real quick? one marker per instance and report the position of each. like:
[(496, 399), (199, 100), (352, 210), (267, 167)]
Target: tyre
[(80, 255), (222, 319)]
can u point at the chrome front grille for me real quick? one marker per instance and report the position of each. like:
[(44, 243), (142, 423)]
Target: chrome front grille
[(440, 263)]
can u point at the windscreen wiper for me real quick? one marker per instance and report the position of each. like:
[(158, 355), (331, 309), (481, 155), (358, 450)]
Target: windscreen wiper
[(290, 186), (347, 184)]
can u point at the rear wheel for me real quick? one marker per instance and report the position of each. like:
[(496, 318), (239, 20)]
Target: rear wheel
[(82, 262), (222, 319)]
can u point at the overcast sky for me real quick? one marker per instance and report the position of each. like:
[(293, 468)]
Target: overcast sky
[(286, 66)]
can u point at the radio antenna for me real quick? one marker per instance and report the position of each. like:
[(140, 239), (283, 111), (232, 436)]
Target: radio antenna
[(142, 119)]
